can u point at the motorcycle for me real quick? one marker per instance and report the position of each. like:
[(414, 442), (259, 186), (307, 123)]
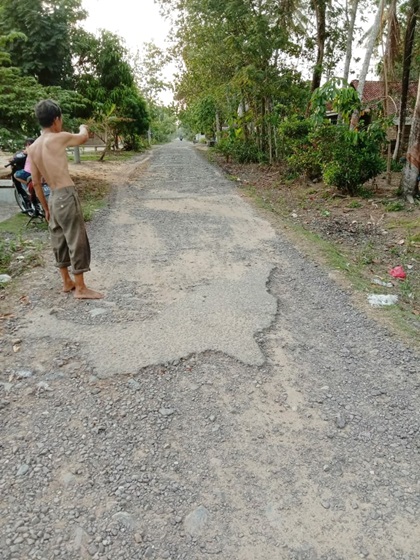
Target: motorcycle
[(26, 199)]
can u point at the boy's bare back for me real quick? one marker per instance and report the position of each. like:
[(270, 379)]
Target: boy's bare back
[(48, 155)]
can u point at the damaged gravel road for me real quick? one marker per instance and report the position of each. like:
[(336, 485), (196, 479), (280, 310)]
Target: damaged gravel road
[(226, 399)]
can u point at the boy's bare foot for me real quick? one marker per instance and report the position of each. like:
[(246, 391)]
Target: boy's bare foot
[(86, 293), (68, 287)]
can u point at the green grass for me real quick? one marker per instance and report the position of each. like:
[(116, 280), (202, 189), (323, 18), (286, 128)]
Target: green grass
[(111, 156), (405, 223), (20, 247), (90, 206), (394, 206), (15, 224)]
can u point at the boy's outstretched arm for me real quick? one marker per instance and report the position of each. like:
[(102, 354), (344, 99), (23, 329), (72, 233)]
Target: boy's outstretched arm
[(78, 139)]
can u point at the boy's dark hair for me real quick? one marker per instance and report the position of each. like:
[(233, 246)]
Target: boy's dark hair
[(29, 141), (46, 112)]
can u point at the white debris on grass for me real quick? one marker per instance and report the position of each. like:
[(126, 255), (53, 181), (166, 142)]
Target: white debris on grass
[(382, 300)]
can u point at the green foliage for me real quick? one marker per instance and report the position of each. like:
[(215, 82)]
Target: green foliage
[(241, 151), (47, 33), (341, 98), (106, 79), (162, 122), (395, 206), (348, 158), (296, 147), (344, 158)]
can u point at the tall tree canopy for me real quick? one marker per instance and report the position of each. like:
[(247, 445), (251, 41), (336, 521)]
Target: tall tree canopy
[(45, 48)]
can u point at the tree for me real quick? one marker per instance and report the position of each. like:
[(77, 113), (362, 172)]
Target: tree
[(349, 41), (411, 171), (148, 70), (319, 7), (106, 79), (373, 35), (45, 49), (234, 53)]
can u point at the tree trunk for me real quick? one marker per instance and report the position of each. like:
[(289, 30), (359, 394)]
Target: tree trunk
[(411, 171), (388, 63), (412, 15), (368, 55), (349, 44), (320, 9), (218, 127)]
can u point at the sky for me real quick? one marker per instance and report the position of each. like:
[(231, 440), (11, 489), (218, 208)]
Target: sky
[(136, 21)]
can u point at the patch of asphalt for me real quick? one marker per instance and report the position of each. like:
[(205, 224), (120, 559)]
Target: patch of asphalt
[(181, 273)]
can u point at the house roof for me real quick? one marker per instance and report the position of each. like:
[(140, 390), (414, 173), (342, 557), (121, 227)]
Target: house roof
[(374, 93)]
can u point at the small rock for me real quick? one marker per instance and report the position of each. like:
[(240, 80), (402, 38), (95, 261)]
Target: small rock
[(125, 518), (166, 411), (325, 504), (68, 478), (133, 384), (97, 311), (24, 373), (43, 386), (22, 470), (196, 521), (340, 422), (138, 538), (92, 550)]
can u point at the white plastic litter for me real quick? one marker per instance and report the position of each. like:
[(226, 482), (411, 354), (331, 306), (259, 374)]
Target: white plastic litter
[(380, 282), (4, 278), (382, 300)]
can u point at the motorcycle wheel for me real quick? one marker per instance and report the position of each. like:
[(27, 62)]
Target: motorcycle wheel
[(20, 202)]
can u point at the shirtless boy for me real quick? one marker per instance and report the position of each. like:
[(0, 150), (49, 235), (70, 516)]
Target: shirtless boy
[(64, 214)]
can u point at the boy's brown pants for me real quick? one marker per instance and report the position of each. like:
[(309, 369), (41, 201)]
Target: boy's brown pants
[(68, 232)]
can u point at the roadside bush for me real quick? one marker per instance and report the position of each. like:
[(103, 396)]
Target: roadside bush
[(135, 143), (296, 148), (349, 158), (240, 150), (293, 135)]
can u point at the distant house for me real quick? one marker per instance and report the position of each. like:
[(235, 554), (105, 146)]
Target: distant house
[(374, 97), (375, 102)]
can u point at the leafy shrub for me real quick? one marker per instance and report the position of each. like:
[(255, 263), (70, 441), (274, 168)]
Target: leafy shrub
[(240, 150), (296, 148), (349, 158)]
